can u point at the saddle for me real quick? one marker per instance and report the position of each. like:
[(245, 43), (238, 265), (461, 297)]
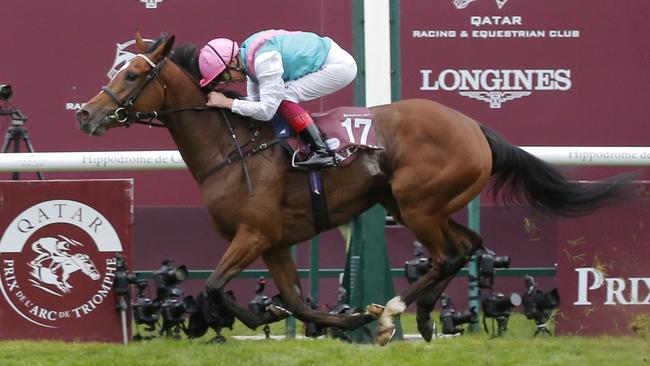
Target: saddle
[(346, 130)]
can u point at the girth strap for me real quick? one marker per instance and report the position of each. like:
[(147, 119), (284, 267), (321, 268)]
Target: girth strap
[(318, 201)]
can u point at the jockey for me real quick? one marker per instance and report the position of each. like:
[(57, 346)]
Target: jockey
[(281, 68), (49, 248)]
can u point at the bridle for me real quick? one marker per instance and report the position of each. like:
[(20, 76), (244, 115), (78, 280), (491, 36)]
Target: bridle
[(121, 113)]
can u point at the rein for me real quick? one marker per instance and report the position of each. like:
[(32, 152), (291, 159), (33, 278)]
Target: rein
[(122, 115), (241, 154)]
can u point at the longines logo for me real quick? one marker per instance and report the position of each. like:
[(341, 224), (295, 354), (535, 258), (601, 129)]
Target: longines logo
[(496, 86), (462, 4), (57, 262)]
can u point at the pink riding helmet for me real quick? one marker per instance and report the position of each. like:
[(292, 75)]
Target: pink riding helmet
[(214, 57)]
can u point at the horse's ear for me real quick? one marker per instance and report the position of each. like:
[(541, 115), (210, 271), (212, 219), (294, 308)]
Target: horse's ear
[(169, 44), (164, 49), (139, 42)]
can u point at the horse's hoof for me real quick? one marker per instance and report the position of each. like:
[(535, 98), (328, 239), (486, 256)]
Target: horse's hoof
[(384, 335), (375, 310), (278, 311), (426, 330)]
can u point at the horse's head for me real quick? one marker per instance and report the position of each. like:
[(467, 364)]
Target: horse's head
[(137, 87), (86, 265)]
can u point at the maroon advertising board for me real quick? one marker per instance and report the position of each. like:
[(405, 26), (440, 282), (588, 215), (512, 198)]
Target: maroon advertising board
[(603, 275), (58, 244), (555, 72)]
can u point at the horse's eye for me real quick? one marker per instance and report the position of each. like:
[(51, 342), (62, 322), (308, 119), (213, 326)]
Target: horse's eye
[(131, 76)]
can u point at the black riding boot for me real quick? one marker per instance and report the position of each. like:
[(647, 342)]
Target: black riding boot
[(320, 154)]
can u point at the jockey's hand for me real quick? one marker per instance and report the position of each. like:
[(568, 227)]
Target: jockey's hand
[(216, 99)]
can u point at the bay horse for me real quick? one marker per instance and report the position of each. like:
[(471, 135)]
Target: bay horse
[(435, 160)]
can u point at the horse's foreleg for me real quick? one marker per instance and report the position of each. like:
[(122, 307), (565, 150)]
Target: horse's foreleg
[(247, 245), (285, 275)]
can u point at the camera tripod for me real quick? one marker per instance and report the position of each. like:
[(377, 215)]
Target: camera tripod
[(543, 329), (15, 134), (541, 322)]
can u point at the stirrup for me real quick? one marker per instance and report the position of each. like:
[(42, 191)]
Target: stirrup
[(307, 164)]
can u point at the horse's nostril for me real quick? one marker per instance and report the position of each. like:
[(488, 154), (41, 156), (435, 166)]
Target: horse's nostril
[(82, 115)]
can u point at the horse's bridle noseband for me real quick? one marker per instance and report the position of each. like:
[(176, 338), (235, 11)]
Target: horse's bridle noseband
[(121, 114)]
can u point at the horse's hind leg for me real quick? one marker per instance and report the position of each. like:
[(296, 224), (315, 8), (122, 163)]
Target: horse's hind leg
[(450, 249), (284, 273), (467, 243)]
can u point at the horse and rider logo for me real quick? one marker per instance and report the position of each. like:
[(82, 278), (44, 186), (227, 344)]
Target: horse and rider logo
[(123, 55), (55, 263)]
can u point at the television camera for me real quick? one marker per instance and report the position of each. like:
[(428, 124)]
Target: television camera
[(488, 261), (499, 307), (16, 132), (418, 266), (260, 303), (342, 307), (168, 303), (313, 330), (451, 319), (539, 305)]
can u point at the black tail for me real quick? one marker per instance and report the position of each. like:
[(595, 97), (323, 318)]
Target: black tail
[(530, 179)]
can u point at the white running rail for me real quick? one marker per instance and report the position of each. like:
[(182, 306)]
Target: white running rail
[(171, 159)]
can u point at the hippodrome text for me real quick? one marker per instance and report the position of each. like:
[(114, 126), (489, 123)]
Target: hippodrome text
[(590, 156), (126, 160)]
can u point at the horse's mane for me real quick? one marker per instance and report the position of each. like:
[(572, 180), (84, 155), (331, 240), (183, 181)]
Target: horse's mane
[(187, 57)]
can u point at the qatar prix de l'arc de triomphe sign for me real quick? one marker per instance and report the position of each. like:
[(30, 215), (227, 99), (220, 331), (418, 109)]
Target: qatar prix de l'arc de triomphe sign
[(603, 274), (58, 245)]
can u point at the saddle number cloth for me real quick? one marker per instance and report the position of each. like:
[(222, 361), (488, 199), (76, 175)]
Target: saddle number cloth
[(346, 131)]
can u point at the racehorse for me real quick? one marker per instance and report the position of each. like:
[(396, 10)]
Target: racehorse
[(434, 161), (61, 267)]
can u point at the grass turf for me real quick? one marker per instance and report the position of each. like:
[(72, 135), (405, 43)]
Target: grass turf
[(516, 347)]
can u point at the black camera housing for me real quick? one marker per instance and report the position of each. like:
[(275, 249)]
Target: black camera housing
[(5, 92), (313, 330), (145, 310), (498, 305), (173, 310), (539, 304), (123, 279), (488, 261), (417, 267), (451, 319), (168, 278), (260, 302)]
